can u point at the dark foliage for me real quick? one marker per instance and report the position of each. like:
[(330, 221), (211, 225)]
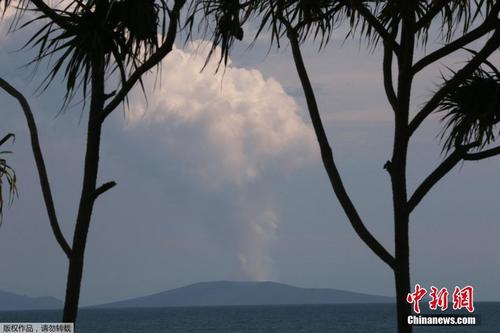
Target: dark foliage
[(472, 111), (124, 31), (223, 19), (7, 176)]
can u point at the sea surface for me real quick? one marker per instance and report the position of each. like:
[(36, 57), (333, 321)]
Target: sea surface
[(252, 319)]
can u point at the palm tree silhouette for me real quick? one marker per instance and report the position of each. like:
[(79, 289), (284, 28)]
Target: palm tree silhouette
[(87, 42), (469, 99)]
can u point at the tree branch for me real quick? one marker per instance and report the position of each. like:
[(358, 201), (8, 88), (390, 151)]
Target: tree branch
[(481, 155), (40, 164), (449, 163), (153, 60), (387, 71), (7, 137), (491, 46), (488, 25), (103, 188), (328, 160), (460, 153)]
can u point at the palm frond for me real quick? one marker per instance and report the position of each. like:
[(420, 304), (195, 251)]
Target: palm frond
[(472, 110), (4, 4), (219, 20), (223, 20), (7, 177), (125, 32), (456, 16)]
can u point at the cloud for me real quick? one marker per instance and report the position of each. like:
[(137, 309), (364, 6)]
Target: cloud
[(226, 127)]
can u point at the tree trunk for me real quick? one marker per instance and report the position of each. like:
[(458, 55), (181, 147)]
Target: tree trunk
[(401, 236), (398, 166), (88, 194), (402, 276), (401, 225)]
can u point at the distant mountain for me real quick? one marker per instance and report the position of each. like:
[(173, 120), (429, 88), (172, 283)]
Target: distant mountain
[(224, 293), (10, 301)]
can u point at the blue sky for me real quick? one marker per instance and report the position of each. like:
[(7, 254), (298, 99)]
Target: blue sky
[(219, 178)]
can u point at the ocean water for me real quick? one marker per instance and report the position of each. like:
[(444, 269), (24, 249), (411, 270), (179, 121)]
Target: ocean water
[(253, 319)]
